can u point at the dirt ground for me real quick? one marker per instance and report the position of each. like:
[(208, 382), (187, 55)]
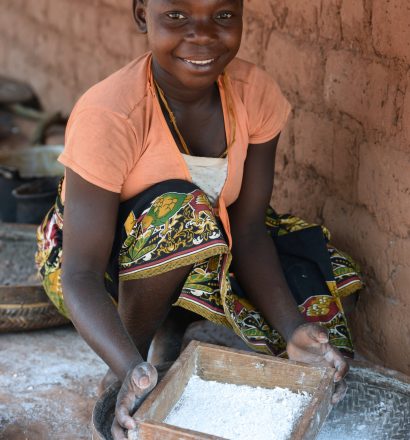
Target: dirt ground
[(49, 378), (48, 383)]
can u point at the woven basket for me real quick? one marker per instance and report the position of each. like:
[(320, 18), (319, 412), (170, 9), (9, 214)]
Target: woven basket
[(27, 308), (24, 307)]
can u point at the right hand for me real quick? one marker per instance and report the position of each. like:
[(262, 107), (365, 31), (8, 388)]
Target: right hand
[(137, 384)]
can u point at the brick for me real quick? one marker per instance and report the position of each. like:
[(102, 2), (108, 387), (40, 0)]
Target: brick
[(87, 70), (285, 149), (301, 18), (406, 111), (391, 28), (119, 5), (60, 96), (252, 40), (381, 314), (6, 18), (397, 255), (66, 60), (313, 142), (4, 53), (329, 148), (355, 230), (18, 27), (397, 286), (85, 23), (60, 13), (298, 68), (262, 8), (114, 32), (300, 191), (47, 47), (353, 20), (109, 63), (37, 9), (384, 186), (345, 160), (329, 20), (17, 63), (363, 89)]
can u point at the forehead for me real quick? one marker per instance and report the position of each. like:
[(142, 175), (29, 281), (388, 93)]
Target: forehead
[(193, 3)]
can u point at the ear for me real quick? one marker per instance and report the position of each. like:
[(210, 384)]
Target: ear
[(139, 7)]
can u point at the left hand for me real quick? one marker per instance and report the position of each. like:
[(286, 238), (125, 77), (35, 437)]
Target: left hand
[(309, 343)]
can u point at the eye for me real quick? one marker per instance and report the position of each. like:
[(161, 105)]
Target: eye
[(176, 15), (224, 15)]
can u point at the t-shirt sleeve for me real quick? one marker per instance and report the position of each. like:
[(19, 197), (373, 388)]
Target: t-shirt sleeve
[(268, 109), (100, 146)]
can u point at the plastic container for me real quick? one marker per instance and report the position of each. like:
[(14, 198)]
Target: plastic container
[(34, 199), (9, 180), (25, 165)]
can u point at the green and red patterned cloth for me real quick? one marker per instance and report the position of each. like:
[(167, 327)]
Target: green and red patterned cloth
[(172, 224)]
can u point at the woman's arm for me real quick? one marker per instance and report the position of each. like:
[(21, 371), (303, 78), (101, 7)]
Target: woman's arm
[(258, 270), (255, 260), (90, 216)]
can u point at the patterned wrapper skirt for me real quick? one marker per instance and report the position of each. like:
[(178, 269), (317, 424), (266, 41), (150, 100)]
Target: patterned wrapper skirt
[(172, 224)]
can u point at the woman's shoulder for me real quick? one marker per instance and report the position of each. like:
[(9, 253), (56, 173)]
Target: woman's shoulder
[(121, 92), (261, 99)]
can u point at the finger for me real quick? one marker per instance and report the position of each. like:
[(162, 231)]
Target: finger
[(340, 392), (336, 360), (318, 334), (309, 356), (122, 415), (144, 382), (117, 432), (144, 376)]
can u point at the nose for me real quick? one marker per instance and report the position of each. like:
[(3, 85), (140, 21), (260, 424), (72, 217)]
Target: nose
[(202, 32)]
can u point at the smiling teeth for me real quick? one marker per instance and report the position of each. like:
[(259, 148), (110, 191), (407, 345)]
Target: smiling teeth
[(201, 63)]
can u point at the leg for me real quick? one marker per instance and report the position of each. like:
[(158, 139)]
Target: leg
[(143, 306), (167, 342), (145, 303)]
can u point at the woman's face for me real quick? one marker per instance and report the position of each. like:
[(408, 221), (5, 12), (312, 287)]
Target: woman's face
[(192, 40)]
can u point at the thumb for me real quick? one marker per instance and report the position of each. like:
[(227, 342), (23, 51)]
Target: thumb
[(144, 376), (319, 334)]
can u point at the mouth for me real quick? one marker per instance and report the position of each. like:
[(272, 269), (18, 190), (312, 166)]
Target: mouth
[(199, 63)]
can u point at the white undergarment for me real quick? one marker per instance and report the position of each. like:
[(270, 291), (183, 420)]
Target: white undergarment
[(209, 173)]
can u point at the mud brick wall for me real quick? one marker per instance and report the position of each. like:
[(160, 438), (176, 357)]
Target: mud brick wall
[(64, 46), (344, 158)]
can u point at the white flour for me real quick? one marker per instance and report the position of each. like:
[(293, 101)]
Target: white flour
[(237, 412)]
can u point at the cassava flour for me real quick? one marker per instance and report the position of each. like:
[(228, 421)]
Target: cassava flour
[(237, 412)]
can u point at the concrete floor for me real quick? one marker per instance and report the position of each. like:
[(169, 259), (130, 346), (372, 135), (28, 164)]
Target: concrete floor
[(48, 383)]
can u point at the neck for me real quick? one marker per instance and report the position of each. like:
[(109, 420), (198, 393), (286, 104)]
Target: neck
[(176, 92)]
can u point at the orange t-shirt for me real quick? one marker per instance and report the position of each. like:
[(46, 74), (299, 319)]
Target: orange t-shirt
[(118, 139)]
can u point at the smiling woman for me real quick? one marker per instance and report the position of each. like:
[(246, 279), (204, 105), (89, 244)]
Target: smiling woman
[(192, 43), (169, 172)]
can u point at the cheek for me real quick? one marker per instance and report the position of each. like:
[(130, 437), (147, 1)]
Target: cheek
[(161, 42), (233, 38)]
